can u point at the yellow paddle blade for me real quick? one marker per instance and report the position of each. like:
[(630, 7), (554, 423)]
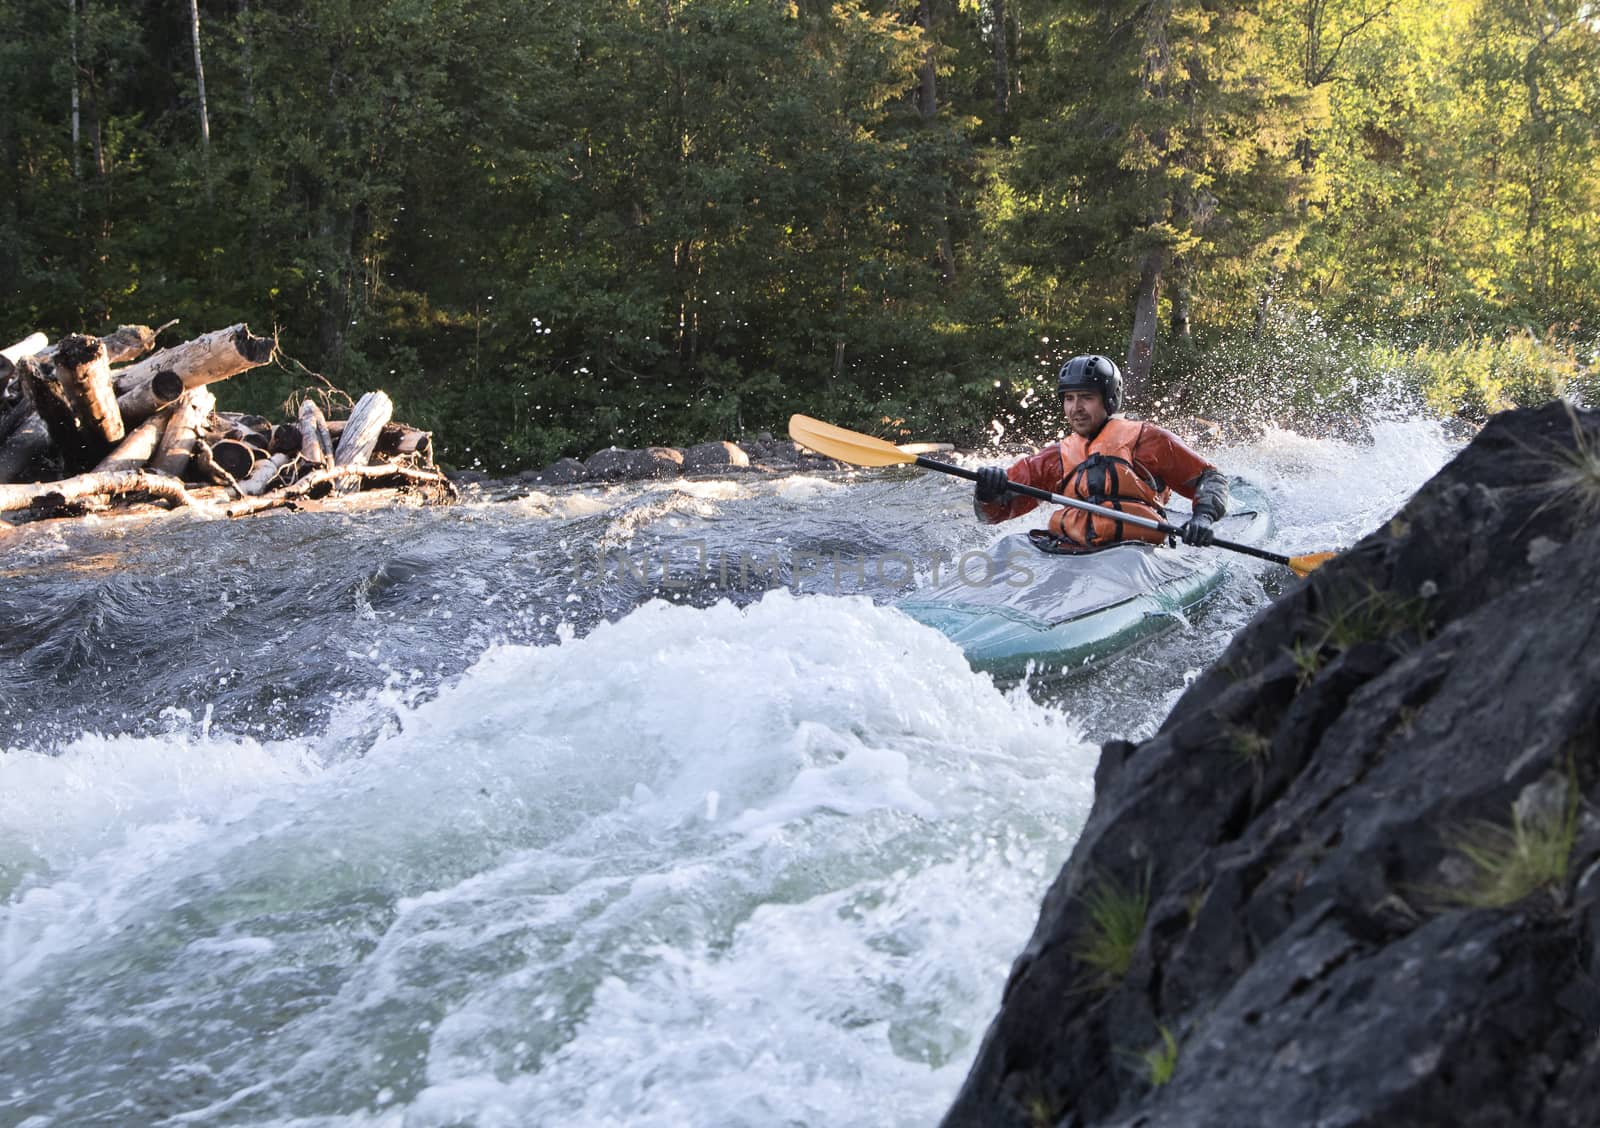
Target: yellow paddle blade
[(847, 446), (1305, 565)]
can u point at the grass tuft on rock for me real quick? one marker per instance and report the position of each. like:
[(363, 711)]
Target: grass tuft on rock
[(1377, 616), (1160, 1061), (1574, 483), (1116, 921), (1510, 863)]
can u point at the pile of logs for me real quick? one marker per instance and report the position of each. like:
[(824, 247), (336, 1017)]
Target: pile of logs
[(86, 424)]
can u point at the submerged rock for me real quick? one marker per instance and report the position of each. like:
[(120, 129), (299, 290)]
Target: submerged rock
[(561, 472), (1352, 880)]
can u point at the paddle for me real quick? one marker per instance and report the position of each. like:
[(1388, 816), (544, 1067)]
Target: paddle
[(864, 450)]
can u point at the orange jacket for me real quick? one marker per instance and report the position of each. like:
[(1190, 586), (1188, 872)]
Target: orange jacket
[(1143, 464)]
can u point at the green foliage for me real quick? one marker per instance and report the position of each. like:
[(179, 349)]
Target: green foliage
[(1161, 1061), (1477, 378), (1574, 482), (1249, 745), (1116, 921), (549, 227)]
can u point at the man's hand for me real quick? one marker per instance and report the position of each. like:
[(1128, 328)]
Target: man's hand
[(990, 485), (1197, 530)]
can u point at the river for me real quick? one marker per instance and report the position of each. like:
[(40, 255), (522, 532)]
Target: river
[(634, 805)]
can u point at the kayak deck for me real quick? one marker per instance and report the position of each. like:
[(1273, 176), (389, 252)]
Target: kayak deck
[(1019, 605)]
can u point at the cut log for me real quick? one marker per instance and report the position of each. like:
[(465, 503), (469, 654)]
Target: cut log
[(204, 360), (13, 417), (360, 436), (136, 449), (266, 471), (50, 400), (26, 445), (85, 376), (147, 399), (286, 439), (183, 431), (33, 343), (316, 447), (396, 440), (236, 458), (126, 342), (14, 497)]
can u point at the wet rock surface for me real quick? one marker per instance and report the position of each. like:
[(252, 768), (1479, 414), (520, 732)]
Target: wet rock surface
[(762, 455), (1353, 879)]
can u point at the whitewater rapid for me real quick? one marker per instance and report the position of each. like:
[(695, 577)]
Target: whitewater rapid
[(502, 846)]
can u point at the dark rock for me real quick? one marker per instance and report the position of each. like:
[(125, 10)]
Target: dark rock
[(1318, 944), (714, 458), (561, 472), (616, 465), (770, 451), (814, 462), (467, 477)]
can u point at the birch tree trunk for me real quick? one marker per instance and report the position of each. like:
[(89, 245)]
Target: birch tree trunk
[(928, 108), (199, 74), (72, 39), (1142, 341)]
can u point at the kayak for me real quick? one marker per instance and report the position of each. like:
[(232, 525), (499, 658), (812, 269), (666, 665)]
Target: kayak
[(1014, 604)]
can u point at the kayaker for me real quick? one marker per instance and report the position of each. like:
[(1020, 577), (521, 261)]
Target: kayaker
[(1119, 463)]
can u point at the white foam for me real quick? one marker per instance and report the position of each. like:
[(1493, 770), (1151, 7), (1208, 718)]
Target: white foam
[(698, 866)]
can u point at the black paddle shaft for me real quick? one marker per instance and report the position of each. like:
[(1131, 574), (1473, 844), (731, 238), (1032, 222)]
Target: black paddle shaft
[(1144, 522)]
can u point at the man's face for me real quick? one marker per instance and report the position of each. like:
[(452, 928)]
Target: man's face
[(1085, 411)]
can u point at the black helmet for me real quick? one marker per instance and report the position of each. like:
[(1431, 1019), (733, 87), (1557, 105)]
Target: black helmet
[(1095, 374)]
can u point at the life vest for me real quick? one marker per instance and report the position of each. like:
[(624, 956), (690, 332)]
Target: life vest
[(1102, 471)]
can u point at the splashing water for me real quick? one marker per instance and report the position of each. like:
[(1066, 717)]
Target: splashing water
[(419, 820)]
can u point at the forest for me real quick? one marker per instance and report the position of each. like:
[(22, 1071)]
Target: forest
[(548, 227)]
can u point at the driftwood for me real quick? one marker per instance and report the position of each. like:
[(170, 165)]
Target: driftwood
[(204, 467), (204, 360), (136, 449), (149, 426), (426, 479), (126, 342), (183, 431), (233, 457), (395, 440), (316, 447), (28, 443), (360, 435), (28, 346), (13, 416), (286, 439), (85, 375), (50, 401), (264, 474), (14, 497), (150, 397)]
